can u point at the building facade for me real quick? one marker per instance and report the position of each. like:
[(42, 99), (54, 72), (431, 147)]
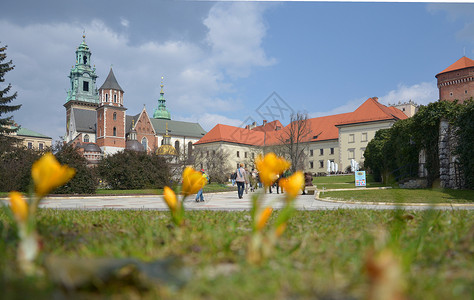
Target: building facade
[(336, 138), (98, 124)]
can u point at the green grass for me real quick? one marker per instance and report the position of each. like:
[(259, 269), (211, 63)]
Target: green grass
[(404, 195), (321, 255), (342, 182)]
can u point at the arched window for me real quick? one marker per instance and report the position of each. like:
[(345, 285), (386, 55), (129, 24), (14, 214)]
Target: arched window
[(106, 97), (115, 115), (145, 143), (115, 98), (190, 148), (86, 138), (115, 132), (176, 146), (162, 141)]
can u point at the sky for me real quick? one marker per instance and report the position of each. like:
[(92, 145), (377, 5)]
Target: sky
[(232, 62)]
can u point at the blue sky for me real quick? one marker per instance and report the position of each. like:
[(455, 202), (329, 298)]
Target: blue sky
[(222, 60)]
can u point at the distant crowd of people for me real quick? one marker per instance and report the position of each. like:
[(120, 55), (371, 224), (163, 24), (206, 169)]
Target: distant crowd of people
[(250, 180)]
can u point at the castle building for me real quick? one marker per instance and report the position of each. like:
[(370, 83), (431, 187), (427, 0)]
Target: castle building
[(97, 123), (456, 82), (335, 138)]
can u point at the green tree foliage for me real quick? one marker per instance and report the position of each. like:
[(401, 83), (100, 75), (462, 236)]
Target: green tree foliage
[(15, 167), (85, 180), (134, 170), (5, 108), (465, 133), (395, 150)]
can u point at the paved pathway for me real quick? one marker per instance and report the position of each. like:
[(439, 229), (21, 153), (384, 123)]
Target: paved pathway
[(213, 201)]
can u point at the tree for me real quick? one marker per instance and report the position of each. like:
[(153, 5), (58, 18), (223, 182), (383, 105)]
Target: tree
[(6, 123), (214, 162), (294, 140)]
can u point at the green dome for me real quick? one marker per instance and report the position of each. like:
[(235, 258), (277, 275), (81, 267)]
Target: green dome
[(161, 114)]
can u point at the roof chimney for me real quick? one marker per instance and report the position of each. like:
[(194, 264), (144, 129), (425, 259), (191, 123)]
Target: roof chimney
[(264, 122), (375, 98)]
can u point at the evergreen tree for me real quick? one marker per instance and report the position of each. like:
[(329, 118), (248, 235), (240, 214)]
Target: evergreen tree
[(6, 122)]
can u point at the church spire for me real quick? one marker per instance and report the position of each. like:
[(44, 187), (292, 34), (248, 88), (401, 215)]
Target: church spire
[(162, 112)]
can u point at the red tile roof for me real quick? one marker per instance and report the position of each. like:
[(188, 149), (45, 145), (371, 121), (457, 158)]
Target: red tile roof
[(232, 134), (371, 110), (322, 128), (461, 63)]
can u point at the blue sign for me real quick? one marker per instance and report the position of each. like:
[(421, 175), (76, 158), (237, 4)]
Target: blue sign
[(360, 178)]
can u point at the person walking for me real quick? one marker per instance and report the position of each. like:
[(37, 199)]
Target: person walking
[(199, 195), (240, 179)]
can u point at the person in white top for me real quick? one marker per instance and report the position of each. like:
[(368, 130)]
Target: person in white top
[(241, 179)]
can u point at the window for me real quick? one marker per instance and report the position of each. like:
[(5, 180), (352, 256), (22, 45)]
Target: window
[(86, 138), (176, 146), (362, 150), (115, 116), (253, 155), (40, 146), (115, 98), (207, 153), (190, 148), (321, 163), (145, 143), (351, 138), (311, 152), (351, 153), (162, 142), (332, 150), (364, 137), (450, 94), (213, 152), (245, 154), (115, 132), (238, 154), (465, 92), (85, 86), (106, 97), (321, 151), (30, 145), (310, 164)]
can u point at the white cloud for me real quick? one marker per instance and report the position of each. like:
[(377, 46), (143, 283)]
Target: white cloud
[(124, 22), (236, 31), (421, 93), (195, 74)]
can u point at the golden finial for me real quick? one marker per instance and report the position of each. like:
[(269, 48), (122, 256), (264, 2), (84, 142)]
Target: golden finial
[(161, 84), (84, 35), (133, 123)]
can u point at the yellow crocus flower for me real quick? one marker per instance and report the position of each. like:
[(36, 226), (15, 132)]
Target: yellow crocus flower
[(270, 166), (193, 181), (170, 198), (263, 218), (19, 206), (280, 229), (293, 184), (49, 174)]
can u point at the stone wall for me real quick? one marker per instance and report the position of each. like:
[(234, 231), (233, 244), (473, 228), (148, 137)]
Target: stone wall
[(449, 171)]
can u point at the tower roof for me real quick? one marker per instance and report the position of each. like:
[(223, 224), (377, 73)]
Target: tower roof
[(111, 83), (463, 62)]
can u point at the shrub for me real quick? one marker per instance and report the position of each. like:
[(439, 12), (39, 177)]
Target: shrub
[(134, 170), (85, 180)]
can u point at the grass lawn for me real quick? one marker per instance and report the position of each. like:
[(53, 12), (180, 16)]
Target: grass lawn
[(320, 256), (342, 182), (404, 195)]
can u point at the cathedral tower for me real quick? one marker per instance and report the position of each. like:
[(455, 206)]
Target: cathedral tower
[(111, 116), (83, 91), (161, 112)]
